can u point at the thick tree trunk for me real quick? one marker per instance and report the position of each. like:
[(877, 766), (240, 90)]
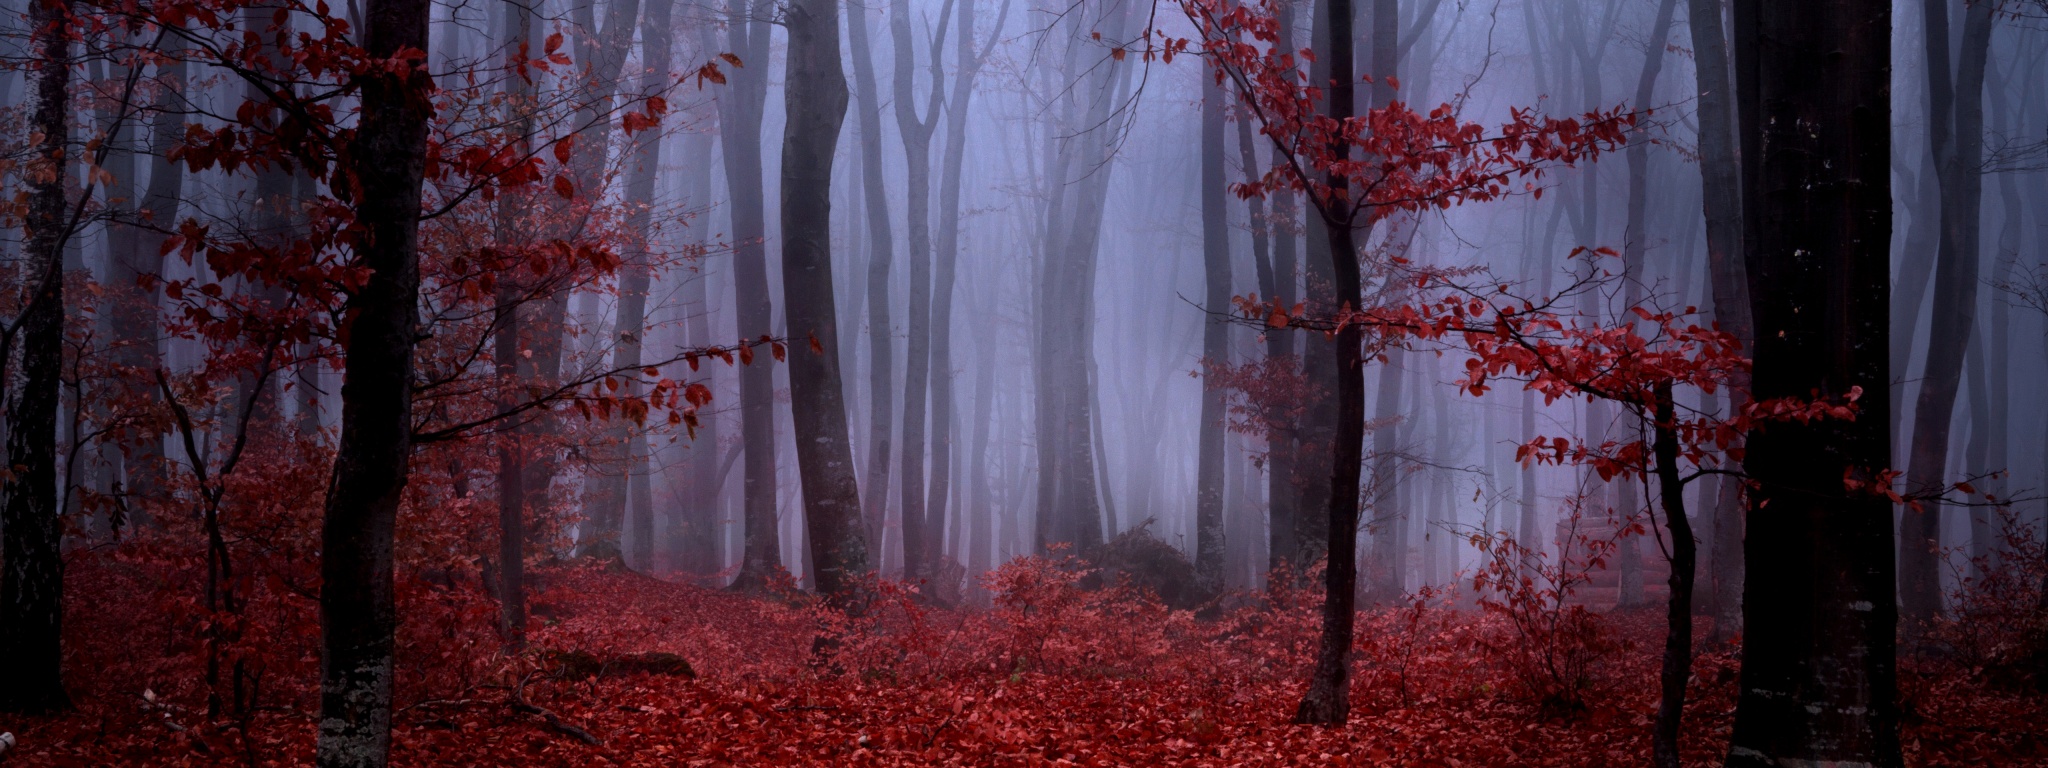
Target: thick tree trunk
[(815, 101), (1209, 479), (1818, 658), (881, 252), (31, 531), (371, 464), (1958, 137)]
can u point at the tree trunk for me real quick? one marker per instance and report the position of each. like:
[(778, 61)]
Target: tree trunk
[(921, 527), (1818, 657), (1209, 479), (694, 523), (31, 531), (815, 100), (1677, 663), (1957, 133), (635, 277), (357, 617), (1635, 242), (1383, 569), (967, 64), (881, 252), (1328, 698), (740, 107)]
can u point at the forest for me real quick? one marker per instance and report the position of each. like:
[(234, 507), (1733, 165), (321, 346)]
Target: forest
[(1423, 383)]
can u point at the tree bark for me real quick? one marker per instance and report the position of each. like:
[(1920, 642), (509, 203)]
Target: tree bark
[(815, 100), (31, 531), (386, 160), (1818, 658)]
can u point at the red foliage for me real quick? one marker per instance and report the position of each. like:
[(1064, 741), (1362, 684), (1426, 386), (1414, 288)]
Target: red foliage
[(1050, 673)]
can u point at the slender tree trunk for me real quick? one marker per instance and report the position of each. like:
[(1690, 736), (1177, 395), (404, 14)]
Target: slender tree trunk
[(371, 464), (966, 65), (881, 252), (508, 343), (1959, 152), (981, 540), (740, 108), (693, 522), (1328, 698), (31, 533), (1273, 254), (1383, 569), (1721, 199), (1818, 658), (815, 101), (635, 277), (920, 531), (1677, 663), (1209, 481)]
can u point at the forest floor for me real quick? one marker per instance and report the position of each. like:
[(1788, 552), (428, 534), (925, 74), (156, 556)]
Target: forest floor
[(1052, 676)]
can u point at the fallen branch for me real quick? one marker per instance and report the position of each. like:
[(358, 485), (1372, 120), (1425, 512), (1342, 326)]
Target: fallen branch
[(519, 704)]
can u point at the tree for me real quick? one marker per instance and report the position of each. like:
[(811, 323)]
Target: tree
[(1818, 668), (740, 108), (881, 252), (383, 167), (1956, 133), (32, 584), (816, 103), (921, 529), (1215, 345), (1721, 200)]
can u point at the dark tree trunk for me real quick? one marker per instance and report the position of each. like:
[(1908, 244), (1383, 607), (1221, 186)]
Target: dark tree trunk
[(1328, 698), (1209, 479), (815, 101), (1677, 663), (881, 252), (1319, 355), (1818, 657), (507, 344), (31, 531), (740, 107), (357, 618), (1956, 122)]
